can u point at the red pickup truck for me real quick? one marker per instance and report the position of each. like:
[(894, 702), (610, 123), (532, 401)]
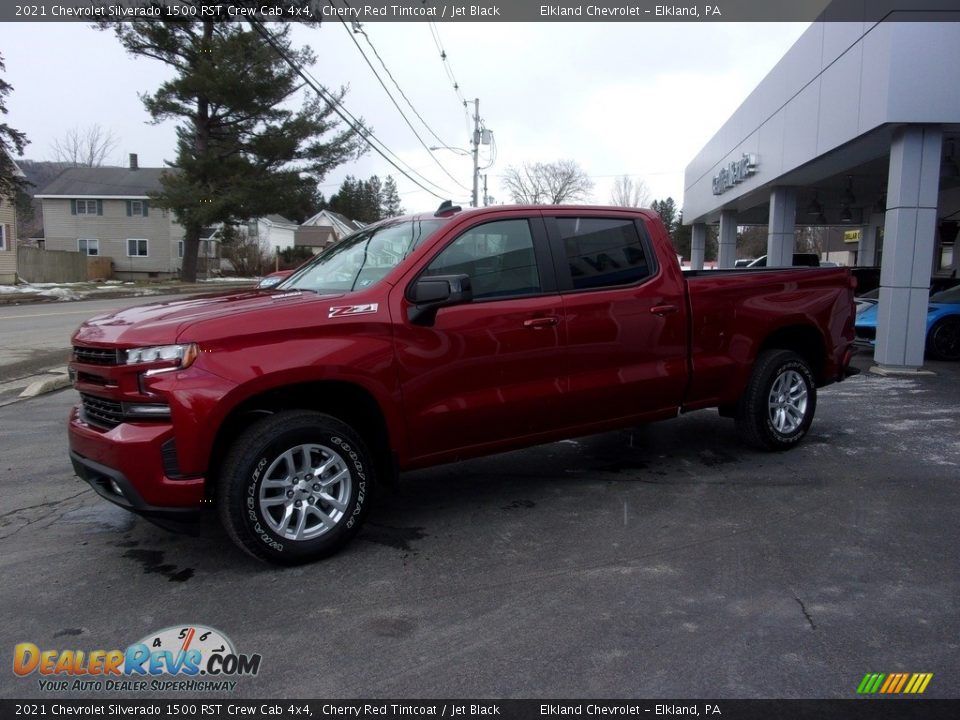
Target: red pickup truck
[(428, 339)]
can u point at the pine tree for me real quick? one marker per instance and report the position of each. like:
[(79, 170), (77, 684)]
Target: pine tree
[(11, 141), (667, 210), (682, 237), (345, 201), (371, 200), (241, 152), (390, 199), (367, 200)]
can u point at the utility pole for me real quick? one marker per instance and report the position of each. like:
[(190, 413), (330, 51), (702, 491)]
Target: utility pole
[(486, 198), (476, 151)]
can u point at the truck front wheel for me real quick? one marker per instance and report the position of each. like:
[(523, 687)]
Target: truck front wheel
[(777, 407), (295, 487)]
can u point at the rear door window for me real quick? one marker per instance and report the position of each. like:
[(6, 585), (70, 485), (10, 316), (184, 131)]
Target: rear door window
[(603, 252)]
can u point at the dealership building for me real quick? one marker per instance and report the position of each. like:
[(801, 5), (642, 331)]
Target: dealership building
[(857, 127)]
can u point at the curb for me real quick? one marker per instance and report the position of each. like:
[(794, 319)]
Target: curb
[(46, 385)]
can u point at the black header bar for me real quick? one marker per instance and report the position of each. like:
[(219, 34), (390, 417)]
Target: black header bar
[(208, 708), (482, 10)]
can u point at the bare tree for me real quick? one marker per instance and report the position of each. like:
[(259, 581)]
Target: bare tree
[(86, 147), (563, 181), (630, 193), (245, 250)]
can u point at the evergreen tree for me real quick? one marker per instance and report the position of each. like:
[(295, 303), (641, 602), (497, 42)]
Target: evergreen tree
[(370, 195), (12, 141), (241, 152), (346, 200), (682, 237), (367, 200), (667, 210), (390, 201)]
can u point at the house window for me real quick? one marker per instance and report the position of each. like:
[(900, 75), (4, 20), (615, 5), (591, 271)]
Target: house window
[(180, 249), (86, 207), (3, 237), (137, 208), (137, 247), (88, 246)]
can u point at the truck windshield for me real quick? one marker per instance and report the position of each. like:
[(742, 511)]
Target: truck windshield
[(362, 259)]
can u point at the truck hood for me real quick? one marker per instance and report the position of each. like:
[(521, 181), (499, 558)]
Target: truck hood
[(164, 323)]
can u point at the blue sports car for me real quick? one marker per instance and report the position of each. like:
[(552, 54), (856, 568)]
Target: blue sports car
[(943, 322)]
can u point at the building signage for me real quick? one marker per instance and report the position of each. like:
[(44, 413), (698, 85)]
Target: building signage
[(851, 236), (736, 172)]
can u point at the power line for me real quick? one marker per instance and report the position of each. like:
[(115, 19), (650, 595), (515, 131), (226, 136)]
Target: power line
[(395, 103), (366, 37), (338, 107), (435, 33)]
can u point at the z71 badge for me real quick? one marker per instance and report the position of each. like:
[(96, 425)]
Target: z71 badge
[(345, 310)]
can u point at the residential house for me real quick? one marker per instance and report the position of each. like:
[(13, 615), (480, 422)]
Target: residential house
[(106, 212), (276, 233), (324, 229), (8, 237)]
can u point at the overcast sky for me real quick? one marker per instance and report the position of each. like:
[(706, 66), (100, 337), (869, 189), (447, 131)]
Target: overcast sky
[(619, 98)]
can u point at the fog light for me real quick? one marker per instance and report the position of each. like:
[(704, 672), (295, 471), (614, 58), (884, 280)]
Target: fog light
[(116, 488)]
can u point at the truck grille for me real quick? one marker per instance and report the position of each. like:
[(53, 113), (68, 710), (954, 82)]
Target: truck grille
[(95, 356), (103, 413)]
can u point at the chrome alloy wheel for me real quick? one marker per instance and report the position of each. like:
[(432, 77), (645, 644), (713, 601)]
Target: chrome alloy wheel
[(788, 402), (305, 491)]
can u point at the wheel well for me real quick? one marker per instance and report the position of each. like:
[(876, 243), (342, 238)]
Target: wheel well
[(803, 340), (344, 401)]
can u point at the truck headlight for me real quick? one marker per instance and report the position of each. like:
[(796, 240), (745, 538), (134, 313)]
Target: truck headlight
[(178, 356)]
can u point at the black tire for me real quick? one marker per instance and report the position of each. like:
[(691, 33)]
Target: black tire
[(943, 340), (285, 521), (782, 427)]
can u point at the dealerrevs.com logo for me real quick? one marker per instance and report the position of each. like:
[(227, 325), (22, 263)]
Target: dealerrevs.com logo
[(181, 658)]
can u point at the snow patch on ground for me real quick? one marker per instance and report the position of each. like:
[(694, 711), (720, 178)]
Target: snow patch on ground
[(10, 289)]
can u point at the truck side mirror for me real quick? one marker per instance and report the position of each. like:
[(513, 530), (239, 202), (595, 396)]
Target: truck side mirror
[(433, 292)]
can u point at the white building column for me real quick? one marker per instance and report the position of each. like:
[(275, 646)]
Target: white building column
[(908, 242), (780, 230), (727, 251), (698, 245)]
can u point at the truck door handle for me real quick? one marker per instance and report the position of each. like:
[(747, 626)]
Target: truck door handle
[(541, 322), (662, 310)]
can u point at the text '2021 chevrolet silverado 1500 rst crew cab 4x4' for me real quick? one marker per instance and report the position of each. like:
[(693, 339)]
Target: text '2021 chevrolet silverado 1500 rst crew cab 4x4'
[(428, 339)]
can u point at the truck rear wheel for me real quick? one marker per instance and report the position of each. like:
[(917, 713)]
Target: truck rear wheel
[(295, 487), (778, 405)]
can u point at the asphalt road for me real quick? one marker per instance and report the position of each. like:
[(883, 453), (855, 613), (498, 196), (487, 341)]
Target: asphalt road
[(663, 562), (36, 336)]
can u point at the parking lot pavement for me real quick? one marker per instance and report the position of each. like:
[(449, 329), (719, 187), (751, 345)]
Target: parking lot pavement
[(668, 561)]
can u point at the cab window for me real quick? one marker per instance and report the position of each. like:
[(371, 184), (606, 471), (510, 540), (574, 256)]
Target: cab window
[(498, 256)]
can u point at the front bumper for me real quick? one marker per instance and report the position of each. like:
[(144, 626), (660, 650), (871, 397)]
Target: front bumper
[(130, 459)]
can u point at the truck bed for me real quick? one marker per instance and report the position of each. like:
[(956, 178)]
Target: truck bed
[(732, 310)]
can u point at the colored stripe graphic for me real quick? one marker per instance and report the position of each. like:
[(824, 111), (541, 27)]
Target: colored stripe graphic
[(903, 680), (894, 683)]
